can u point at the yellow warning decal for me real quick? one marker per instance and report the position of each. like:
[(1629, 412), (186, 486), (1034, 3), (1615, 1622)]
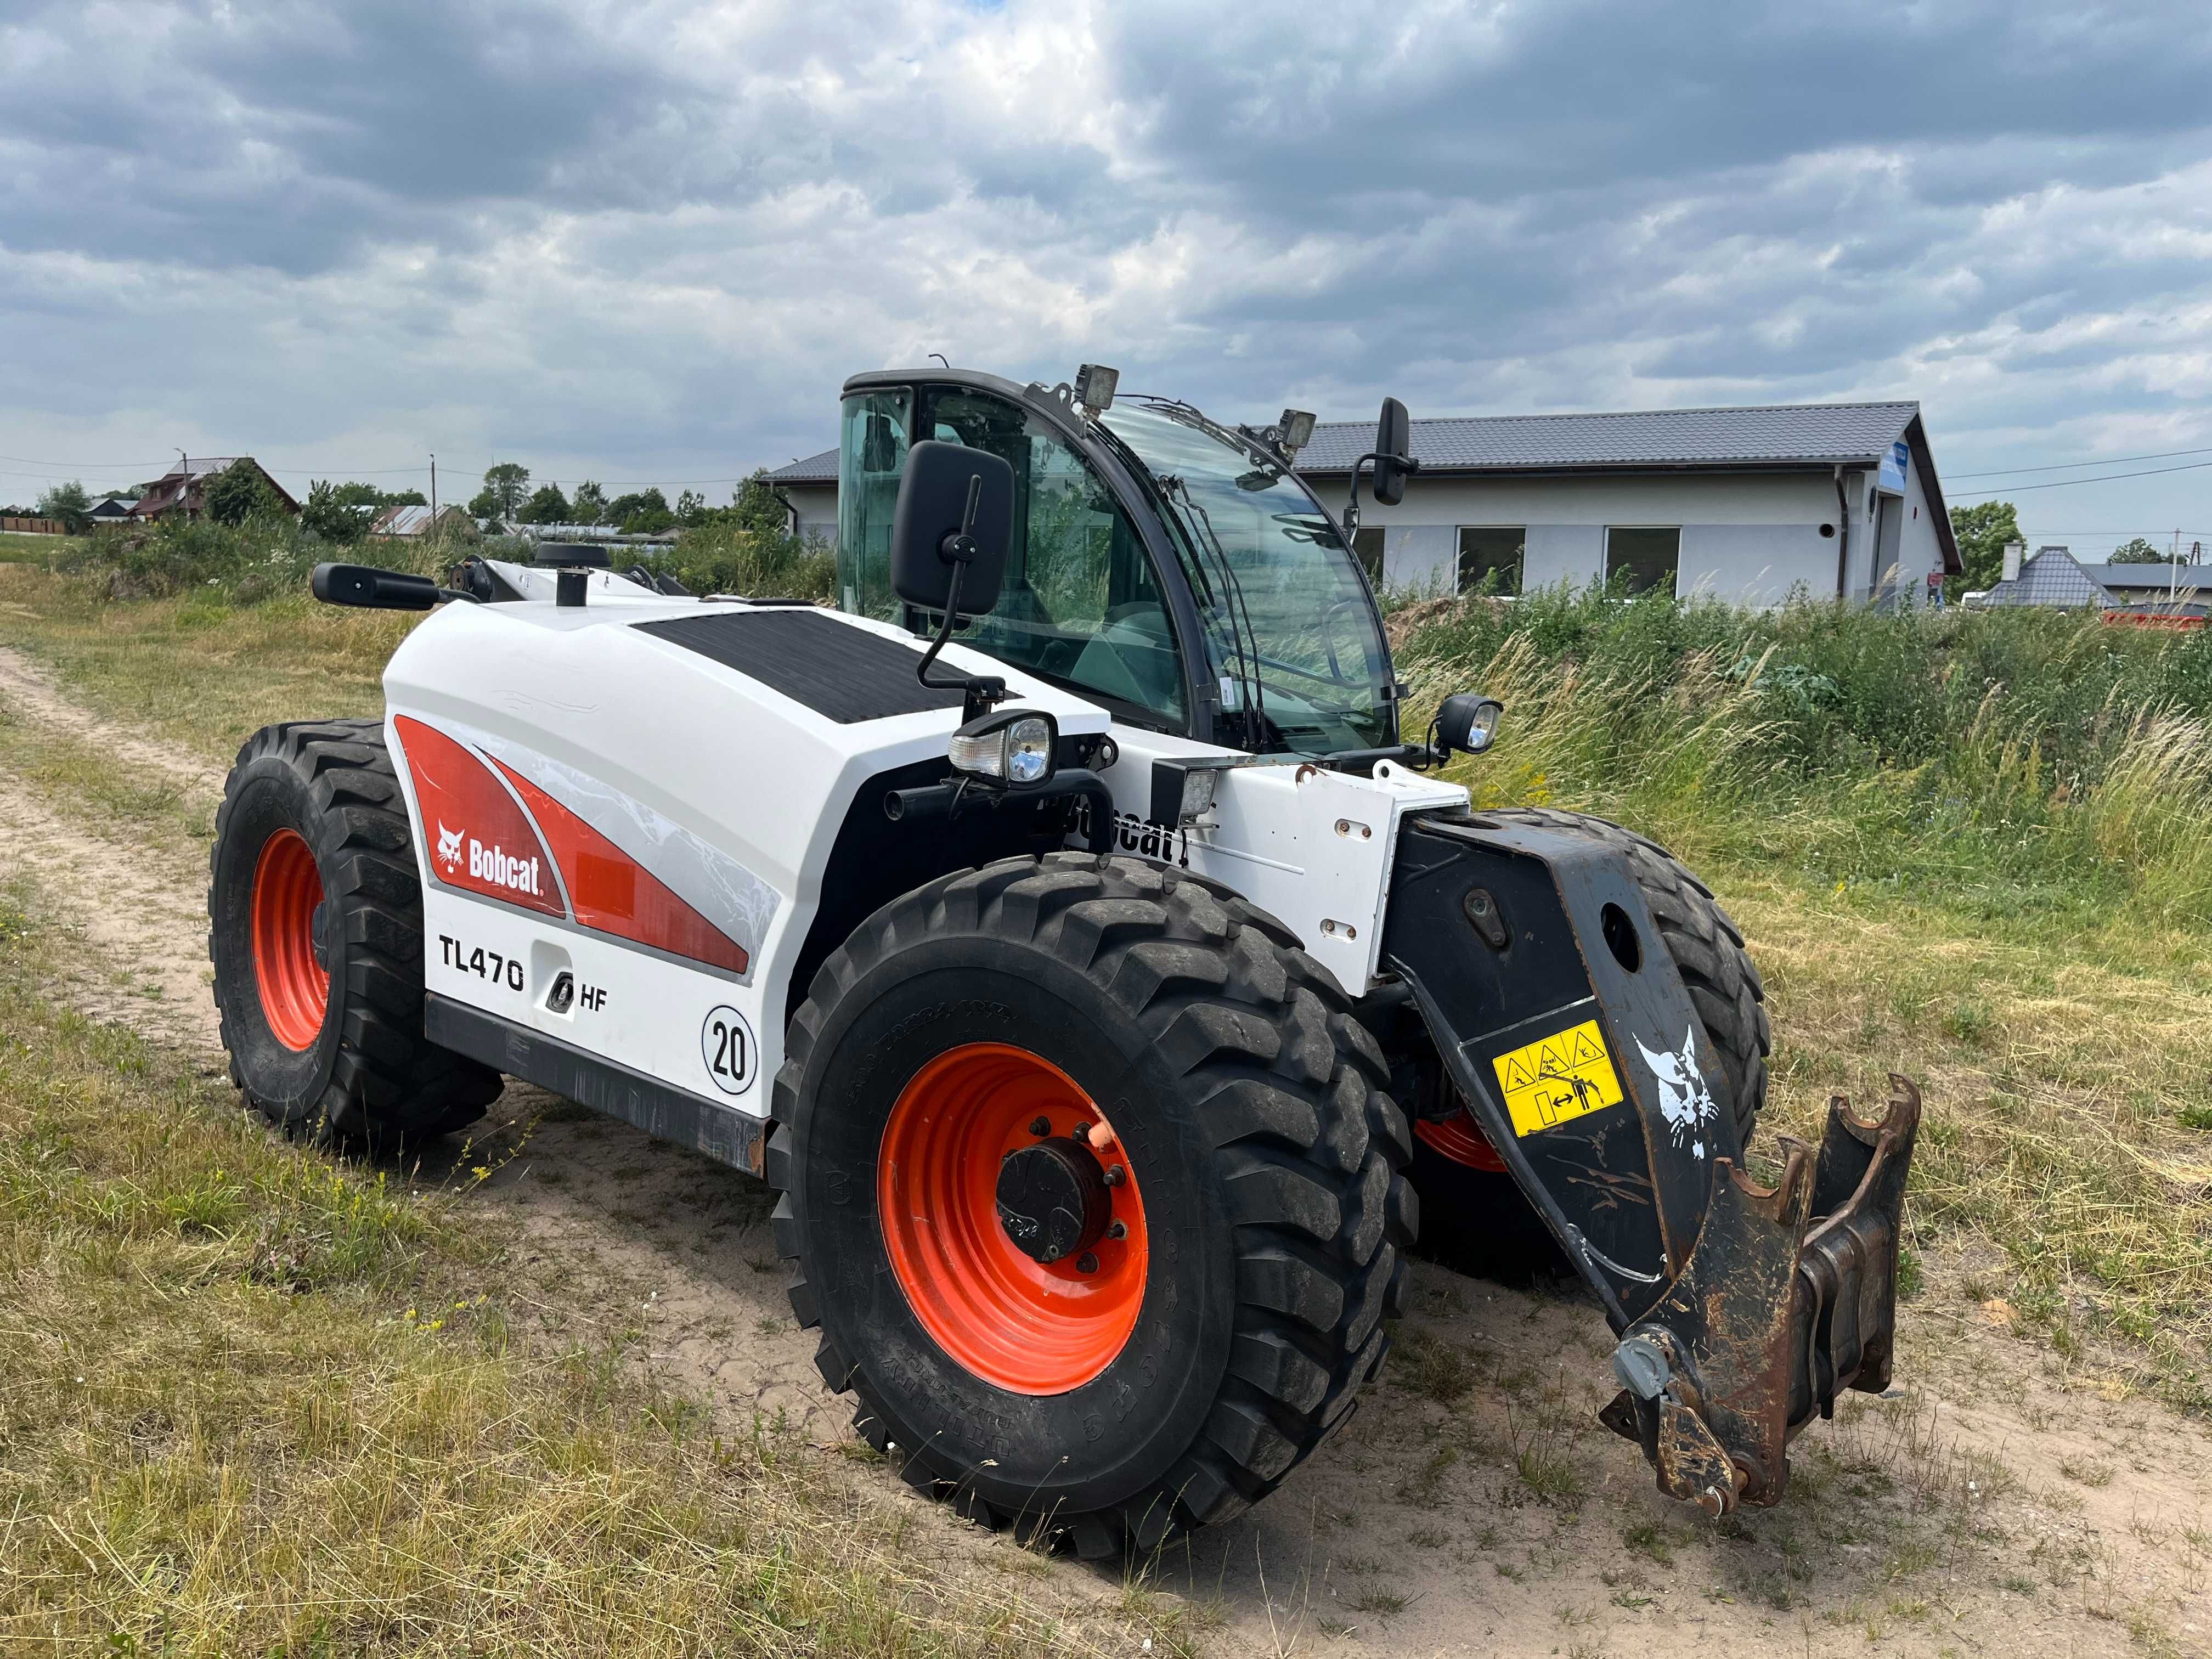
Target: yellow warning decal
[(1560, 1078)]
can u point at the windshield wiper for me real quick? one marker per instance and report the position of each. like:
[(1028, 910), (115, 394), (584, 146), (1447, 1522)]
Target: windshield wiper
[(1163, 488), (1248, 661)]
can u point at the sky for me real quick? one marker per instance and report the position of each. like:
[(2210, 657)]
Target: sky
[(644, 242)]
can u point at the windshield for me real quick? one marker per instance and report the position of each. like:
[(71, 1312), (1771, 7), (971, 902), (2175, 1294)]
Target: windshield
[(1289, 626)]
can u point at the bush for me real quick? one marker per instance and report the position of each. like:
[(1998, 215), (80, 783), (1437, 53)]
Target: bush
[(727, 558), (266, 556)]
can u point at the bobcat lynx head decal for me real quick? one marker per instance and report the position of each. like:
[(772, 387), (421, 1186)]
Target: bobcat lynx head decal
[(1684, 1100), (449, 847)]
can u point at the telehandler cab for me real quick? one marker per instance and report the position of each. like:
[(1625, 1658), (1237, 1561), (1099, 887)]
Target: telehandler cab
[(1067, 929)]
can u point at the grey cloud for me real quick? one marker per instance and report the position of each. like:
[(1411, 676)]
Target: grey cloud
[(657, 239)]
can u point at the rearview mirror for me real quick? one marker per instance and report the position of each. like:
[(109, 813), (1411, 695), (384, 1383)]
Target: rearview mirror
[(367, 588), (955, 512), (1393, 453)]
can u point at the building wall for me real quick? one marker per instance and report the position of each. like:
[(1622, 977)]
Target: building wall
[(816, 505), (1747, 538)]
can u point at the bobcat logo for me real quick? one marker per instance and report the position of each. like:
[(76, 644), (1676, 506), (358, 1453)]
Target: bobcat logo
[(1684, 1100), (449, 847)]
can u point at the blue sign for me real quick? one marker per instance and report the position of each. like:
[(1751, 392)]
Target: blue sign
[(1892, 468)]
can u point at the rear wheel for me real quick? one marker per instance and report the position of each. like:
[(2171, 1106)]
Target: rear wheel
[(1095, 1194), (315, 915), (1477, 1216)]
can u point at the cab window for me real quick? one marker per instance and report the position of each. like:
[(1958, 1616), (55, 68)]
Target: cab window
[(872, 445), (1080, 604)]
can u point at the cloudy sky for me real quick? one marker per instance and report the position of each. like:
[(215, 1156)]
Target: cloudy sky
[(645, 240)]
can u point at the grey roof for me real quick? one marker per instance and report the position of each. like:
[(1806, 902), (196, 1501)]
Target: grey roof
[(815, 468), (2134, 579), (1776, 435), (2054, 578)]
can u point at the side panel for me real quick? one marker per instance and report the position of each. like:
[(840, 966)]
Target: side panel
[(1312, 847), (688, 802), (645, 1013)]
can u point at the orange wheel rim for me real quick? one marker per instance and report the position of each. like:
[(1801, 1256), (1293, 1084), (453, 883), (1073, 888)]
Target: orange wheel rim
[(1460, 1138), (296, 988), (1029, 1326)]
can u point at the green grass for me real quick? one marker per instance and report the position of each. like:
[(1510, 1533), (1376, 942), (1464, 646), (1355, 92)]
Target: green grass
[(29, 549), (258, 1399), (202, 670)]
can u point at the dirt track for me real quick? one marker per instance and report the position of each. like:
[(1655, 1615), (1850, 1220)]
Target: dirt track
[(1473, 1505)]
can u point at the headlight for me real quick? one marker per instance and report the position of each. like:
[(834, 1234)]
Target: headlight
[(1013, 747), (1468, 722)]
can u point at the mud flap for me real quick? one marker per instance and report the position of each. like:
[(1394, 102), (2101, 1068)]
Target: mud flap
[(1743, 1309)]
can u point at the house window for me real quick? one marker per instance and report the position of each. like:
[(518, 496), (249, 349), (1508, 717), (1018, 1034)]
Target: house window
[(1490, 557), (1641, 558), (1367, 548)]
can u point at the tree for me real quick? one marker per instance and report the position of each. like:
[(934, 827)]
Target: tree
[(2137, 551), (332, 515), (643, 513), (506, 487), (548, 505), (757, 506), (690, 508), (69, 503), (406, 498), (241, 492), (1982, 531), (590, 505)]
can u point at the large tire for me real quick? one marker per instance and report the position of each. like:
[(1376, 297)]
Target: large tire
[(315, 930), (1266, 1158), (1478, 1217)]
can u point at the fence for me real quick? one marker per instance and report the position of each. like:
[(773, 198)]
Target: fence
[(34, 526)]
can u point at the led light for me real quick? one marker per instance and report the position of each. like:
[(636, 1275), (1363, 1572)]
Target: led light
[(1297, 427), (1094, 387), (1183, 792)]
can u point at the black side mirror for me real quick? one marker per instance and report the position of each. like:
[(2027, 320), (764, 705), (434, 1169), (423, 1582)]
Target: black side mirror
[(1393, 453), (369, 588), (955, 512)]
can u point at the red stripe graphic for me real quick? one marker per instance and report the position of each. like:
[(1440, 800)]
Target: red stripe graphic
[(479, 839), (614, 895)]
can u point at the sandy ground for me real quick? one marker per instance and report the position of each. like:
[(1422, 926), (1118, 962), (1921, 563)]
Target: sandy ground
[(1473, 1505)]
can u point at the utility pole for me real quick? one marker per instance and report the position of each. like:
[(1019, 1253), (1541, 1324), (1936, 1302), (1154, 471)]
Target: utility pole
[(434, 489)]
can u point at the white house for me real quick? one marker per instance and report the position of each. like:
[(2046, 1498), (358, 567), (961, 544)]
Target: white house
[(1742, 504), (808, 489)]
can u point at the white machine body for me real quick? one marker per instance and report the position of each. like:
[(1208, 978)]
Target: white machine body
[(645, 829)]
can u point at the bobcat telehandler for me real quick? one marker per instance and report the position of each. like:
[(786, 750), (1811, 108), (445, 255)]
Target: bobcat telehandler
[(1067, 929)]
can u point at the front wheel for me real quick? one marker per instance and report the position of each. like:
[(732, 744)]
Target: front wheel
[(1095, 1192)]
